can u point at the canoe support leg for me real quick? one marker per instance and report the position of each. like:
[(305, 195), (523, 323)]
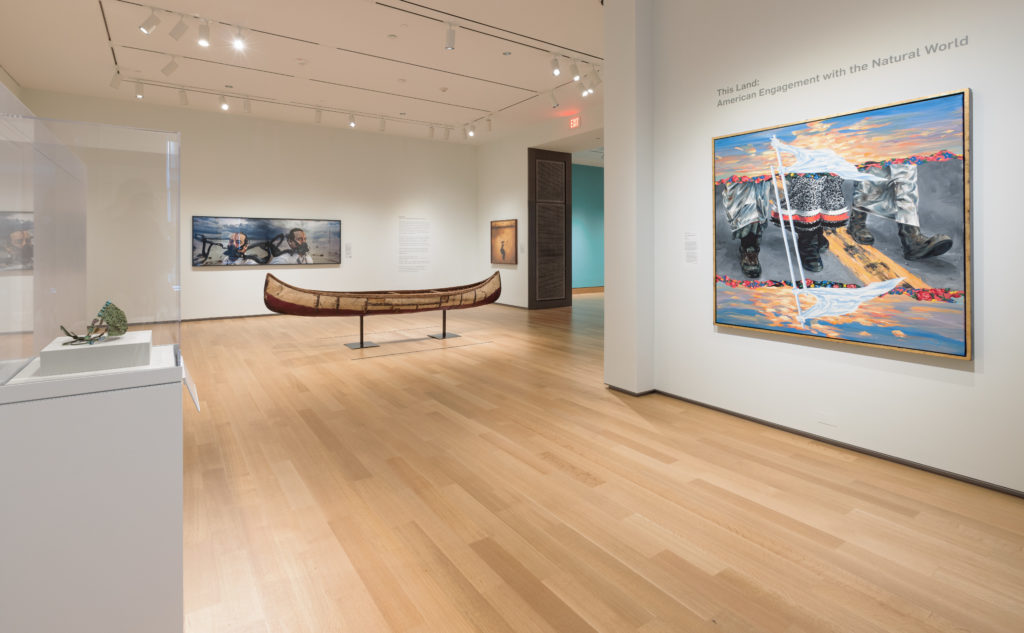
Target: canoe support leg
[(361, 344), (444, 328)]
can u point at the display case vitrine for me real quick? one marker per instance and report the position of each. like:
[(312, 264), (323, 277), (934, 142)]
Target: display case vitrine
[(88, 214), (90, 434)]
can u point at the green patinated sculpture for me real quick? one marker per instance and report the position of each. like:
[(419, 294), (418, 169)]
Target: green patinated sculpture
[(110, 322)]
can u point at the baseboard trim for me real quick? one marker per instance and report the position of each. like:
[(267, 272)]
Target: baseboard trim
[(587, 290), (832, 442), (635, 394)]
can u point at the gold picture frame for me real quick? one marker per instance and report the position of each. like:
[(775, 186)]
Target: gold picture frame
[(504, 242)]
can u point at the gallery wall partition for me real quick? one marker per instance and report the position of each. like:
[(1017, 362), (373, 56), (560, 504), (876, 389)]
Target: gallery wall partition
[(406, 209), (587, 226), (954, 413)]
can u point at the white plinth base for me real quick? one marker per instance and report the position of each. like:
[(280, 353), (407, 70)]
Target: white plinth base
[(129, 350)]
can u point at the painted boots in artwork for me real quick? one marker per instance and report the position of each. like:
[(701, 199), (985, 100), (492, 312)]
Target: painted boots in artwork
[(918, 246), (750, 246), (810, 245), (858, 228)]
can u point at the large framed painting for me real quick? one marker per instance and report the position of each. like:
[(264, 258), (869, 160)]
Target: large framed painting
[(853, 228), (16, 248), (503, 241), (218, 241)]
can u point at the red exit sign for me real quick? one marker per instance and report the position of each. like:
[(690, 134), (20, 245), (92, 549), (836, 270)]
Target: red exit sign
[(574, 122)]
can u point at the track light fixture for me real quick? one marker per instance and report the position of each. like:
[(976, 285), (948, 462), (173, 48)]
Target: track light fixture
[(247, 106), (318, 116), (585, 89), (449, 37), (238, 42), (224, 104), (431, 132), (351, 120), (382, 125), (204, 34), (182, 97), (138, 90), (178, 29), (554, 100), (115, 80), (149, 24), (490, 125), (556, 70), (447, 132), (170, 67), (472, 130), (575, 70)]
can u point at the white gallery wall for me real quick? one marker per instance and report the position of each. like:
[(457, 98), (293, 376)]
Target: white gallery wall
[(958, 416), (503, 188), (235, 165)]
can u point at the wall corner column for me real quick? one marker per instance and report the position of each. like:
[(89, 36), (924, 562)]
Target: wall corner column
[(629, 208)]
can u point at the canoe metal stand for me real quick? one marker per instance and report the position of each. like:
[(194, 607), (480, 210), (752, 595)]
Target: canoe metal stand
[(444, 328), (361, 344)]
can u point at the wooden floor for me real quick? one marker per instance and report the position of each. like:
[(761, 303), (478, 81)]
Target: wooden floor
[(493, 483)]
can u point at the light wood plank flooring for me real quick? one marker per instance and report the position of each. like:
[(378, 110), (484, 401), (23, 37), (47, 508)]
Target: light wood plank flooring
[(492, 483)]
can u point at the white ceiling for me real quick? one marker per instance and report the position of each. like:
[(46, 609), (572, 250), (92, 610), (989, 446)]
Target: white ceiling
[(376, 60)]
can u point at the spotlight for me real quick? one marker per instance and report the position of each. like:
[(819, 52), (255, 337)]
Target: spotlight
[(318, 116), (204, 34), (449, 37), (115, 80), (149, 23), (431, 132), (247, 106), (224, 104), (351, 120), (182, 97), (554, 100), (586, 89), (382, 125), (575, 70), (238, 42), (556, 70), (596, 82), (138, 90), (472, 130), (178, 29), (170, 67)]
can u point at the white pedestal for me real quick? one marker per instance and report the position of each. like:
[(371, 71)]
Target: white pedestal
[(91, 502), (128, 350)]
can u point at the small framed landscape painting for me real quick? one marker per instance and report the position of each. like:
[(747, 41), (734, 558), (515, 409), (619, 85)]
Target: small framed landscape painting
[(503, 241), (853, 227)]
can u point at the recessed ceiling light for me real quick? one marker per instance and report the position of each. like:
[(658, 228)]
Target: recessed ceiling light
[(444, 88), (506, 53), (229, 86), (392, 36)]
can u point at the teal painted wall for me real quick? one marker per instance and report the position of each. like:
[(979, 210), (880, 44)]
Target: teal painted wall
[(587, 226)]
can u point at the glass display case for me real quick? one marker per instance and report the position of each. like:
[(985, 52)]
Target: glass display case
[(89, 214)]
